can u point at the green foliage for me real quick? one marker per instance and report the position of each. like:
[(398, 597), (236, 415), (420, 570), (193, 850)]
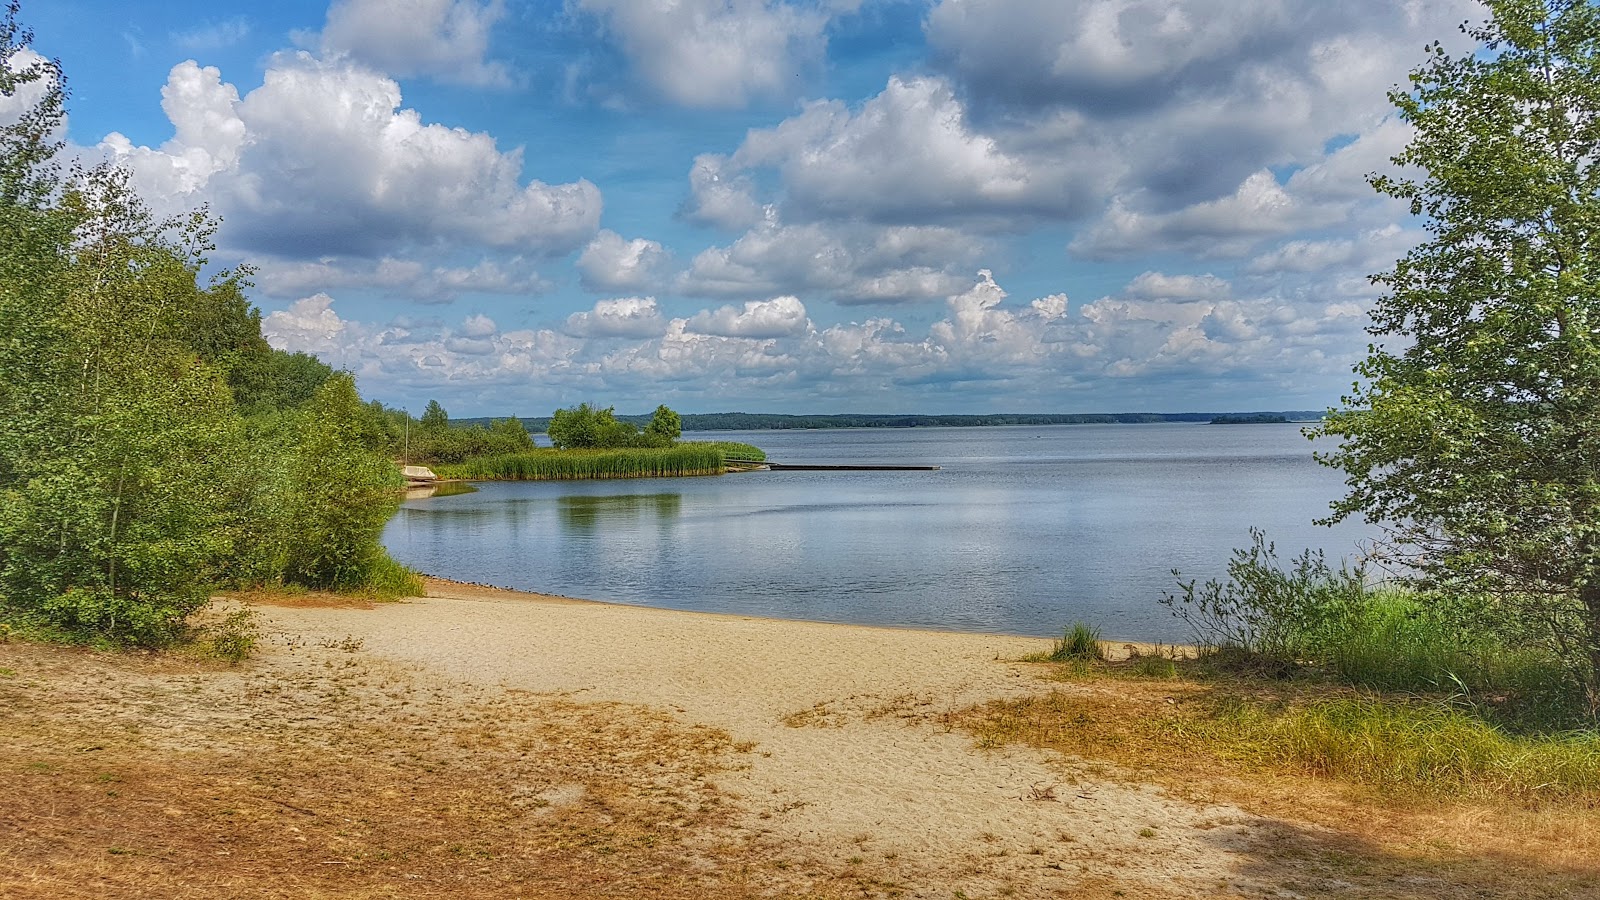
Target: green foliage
[(569, 465), (28, 146), (1263, 609), (234, 637), (587, 428), (129, 482), (665, 426), (732, 449), (341, 493), (453, 444), (1478, 440), (1080, 642), (1269, 620), (434, 418)]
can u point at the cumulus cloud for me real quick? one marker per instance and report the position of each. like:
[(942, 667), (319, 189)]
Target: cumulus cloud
[(407, 278), (714, 54), (721, 195), (444, 39), (1038, 352), (849, 263), (773, 318), (630, 317), (1229, 226), (1200, 93), (1158, 286), (321, 159), (907, 155), (613, 263)]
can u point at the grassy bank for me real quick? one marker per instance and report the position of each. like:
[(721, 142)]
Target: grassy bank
[(1186, 719), (578, 465)]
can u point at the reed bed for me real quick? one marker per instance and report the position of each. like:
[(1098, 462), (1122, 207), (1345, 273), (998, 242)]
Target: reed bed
[(581, 465), (731, 449)]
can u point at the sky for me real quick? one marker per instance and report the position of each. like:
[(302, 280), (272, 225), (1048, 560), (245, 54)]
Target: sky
[(800, 206)]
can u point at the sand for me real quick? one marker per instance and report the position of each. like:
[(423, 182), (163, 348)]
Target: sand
[(851, 755)]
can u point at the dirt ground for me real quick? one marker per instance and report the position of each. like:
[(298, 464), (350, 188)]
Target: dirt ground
[(480, 743)]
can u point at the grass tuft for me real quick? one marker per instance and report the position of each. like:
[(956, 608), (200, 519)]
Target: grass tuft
[(1080, 642)]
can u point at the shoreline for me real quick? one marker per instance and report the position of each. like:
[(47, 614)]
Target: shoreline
[(450, 588)]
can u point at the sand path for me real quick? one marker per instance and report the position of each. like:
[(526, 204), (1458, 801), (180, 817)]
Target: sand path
[(852, 760)]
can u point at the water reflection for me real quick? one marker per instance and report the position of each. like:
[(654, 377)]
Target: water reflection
[(586, 512), (1024, 529), (439, 489)]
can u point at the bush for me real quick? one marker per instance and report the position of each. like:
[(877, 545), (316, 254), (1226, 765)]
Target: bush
[(1267, 621), (1263, 609)]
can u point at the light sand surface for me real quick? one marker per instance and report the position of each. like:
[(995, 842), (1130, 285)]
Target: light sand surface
[(852, 757)]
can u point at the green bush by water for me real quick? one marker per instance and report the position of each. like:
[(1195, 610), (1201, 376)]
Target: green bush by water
[(579, 465), (1272, 620)]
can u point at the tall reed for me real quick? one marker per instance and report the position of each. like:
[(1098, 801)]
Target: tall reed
[(579, 465)]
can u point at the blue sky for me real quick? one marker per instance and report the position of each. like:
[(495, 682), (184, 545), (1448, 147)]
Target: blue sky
[(779, 205)]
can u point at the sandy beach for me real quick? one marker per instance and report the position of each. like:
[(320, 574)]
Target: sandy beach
[(852, 751), (486, 743)]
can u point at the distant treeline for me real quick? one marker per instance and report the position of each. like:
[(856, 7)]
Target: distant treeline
[(740, 421)]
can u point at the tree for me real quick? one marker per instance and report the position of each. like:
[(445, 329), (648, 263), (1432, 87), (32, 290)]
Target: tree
[(1477, 439), (434, 418), (586, 427), (665, 426)]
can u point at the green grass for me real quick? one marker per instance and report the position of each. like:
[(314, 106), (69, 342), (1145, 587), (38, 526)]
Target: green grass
[(1413, 747), (1080, 642), (731, 449), (389, 580), (578, 465)]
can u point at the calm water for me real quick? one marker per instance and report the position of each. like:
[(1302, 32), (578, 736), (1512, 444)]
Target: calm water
[(1023, 530)]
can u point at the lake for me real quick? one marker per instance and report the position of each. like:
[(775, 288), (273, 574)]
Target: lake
[(1023, 530)]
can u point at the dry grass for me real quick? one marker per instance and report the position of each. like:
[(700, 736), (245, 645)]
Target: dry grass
[(1324, 837), (157, 777)]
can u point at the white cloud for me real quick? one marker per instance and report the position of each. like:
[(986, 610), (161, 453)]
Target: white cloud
[(908, 155), (1039, 352), (773, 318), (720, 195), (407, 278), (1229, 226), (310, 325), (631, 317), (321, 159), (445, 39), (714, 54), (612, 263), (850, 263), (1158, 286)]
